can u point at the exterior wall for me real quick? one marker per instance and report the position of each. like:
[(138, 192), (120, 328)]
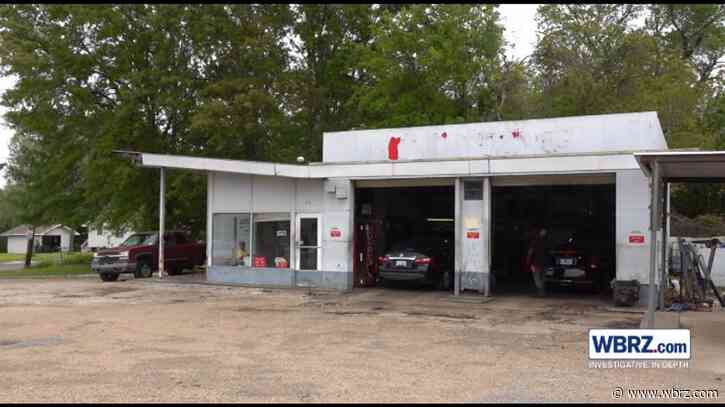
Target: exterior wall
[(633, 215), (17, 244), (337, 252), (66, 237), (582, 134), (331, 199), (475, 240)]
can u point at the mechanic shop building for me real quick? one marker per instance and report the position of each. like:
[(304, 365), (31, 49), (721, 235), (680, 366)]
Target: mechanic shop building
[(479, 188)]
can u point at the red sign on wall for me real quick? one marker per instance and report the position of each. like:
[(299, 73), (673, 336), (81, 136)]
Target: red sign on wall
[(636, 239), (473, 235), (260, 261), (335, 233)]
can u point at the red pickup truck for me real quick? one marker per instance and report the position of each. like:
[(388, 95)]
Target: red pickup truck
[(139, 254)]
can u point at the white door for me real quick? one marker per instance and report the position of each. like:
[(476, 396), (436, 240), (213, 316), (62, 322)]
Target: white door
[(309, 242)]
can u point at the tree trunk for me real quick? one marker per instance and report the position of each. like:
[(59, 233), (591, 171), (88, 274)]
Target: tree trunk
[(29, 251)]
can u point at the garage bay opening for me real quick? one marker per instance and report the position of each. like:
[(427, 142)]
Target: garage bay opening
[(404, 234), (578, 249)]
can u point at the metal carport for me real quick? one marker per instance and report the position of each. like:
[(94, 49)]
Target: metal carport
[(664, 168)]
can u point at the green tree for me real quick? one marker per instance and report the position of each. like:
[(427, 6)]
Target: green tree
[(326, 62), (195, 80), (594, 59), (28, 195), (431, 64), (8, 211), (697, 31)]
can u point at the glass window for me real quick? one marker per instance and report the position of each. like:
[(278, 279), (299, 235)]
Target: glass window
[(472, 190), (271, 240), (140, 239), (230, 240)]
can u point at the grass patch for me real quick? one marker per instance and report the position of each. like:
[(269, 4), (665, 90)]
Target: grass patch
[(11, 257), (49, 259), (52, 259), (50, 270)]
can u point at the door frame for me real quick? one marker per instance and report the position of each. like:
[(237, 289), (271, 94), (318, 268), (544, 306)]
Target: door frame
[(297, 247)]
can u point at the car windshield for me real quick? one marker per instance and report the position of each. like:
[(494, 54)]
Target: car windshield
[(140, 239)]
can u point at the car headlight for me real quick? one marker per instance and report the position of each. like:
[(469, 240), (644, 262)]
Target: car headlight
[(123, 256)]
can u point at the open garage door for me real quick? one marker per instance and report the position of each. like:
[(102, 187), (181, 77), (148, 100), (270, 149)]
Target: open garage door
[(580, 243), (404, 233)]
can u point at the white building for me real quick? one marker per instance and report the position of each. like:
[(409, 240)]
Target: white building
[(305, 224), (49, 238)]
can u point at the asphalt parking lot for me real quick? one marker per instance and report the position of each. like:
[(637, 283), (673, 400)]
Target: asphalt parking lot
[(69, 340)]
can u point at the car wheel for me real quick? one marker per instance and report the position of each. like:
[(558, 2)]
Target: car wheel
[(108, 277), (143, 270)]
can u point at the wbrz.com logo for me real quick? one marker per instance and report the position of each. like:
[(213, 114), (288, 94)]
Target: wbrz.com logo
[(639, 344)]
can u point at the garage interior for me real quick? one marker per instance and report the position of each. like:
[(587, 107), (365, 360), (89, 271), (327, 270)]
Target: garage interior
[(584, 213), (390, 213)]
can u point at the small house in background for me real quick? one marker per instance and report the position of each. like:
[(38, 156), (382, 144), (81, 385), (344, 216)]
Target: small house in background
[(48, 238), (104, 237)]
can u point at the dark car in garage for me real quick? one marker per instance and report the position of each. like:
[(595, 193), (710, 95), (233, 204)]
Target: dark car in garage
[(579, 261), (415, 260)]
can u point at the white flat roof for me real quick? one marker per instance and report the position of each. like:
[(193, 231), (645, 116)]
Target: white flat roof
[(692, 166), (483, 166)]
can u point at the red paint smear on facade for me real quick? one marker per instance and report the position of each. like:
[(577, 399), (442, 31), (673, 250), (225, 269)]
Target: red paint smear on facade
[(516, 133), (444, 135), (393, 148)]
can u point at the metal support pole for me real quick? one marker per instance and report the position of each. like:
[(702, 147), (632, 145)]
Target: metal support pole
[(162, 216), (664, 270), (457, 240), (654, 220)]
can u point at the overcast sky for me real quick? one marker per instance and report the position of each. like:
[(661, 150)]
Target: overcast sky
[(517, 19)]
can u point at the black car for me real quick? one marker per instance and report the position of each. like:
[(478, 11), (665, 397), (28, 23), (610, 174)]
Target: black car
[(577, 262), (412, 260)]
